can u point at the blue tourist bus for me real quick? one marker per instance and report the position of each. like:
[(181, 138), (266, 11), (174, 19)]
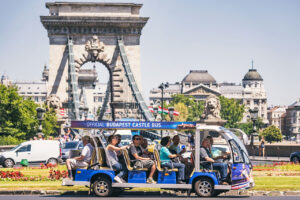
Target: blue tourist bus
[(99, 177)]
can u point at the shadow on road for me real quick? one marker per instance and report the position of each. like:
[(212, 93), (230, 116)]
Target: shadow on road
[(138, 195)]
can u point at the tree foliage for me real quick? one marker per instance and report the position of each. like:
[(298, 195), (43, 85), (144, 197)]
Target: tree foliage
[(248, 127), (194, 108), (232, 111), (271, 134), (17, 116)]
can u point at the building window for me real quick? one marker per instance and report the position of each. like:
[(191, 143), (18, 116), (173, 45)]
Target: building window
[(256, 101), (36, 99), (43, 98), (248, 102), (99, 99)]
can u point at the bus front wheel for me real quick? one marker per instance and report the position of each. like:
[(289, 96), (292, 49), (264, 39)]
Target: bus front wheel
[(102, 187), (204, 187)]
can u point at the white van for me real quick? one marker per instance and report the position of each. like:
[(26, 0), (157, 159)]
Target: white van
[(36, 151)]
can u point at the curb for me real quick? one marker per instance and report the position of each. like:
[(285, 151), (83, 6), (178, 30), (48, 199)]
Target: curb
[(161, 193)]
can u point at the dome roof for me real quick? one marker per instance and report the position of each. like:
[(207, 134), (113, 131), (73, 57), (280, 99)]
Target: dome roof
[(199, 76), (252, 75)]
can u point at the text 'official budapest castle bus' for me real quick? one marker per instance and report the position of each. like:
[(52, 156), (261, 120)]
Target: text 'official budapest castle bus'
[(203, 181)]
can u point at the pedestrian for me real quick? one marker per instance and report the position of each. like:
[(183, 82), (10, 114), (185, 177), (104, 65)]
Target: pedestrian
[(262, 147)]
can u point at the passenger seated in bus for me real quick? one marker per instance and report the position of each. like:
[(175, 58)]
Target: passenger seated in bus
[(119, 153), (113, 161), (83, 160), (225, 155), (207, 159), (146, 153), (119, 140), (165, 157), (135, 154), (177, 148)]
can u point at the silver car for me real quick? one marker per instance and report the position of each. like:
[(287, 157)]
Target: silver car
[(68, 146)]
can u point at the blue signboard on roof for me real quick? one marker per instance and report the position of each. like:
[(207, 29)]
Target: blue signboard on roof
[(141, 125)]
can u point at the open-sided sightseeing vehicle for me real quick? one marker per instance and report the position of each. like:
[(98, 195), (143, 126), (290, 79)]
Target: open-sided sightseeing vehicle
[(100, 178)]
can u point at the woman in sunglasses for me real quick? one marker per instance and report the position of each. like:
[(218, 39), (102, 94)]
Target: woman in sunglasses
[(165, 157)]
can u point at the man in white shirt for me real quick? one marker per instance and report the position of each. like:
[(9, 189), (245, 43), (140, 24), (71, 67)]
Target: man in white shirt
[(83, 160)]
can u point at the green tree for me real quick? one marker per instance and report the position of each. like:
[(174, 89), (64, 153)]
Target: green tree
[(17, 116), (183, 110), (248, 127), (232, 111), (98, 111), (195, 108), (271, 134), (49, 123)]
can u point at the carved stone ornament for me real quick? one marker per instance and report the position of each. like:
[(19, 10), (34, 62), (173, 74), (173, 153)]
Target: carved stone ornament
[(94, 46), (212, 108), (53, 101), (94, 52)]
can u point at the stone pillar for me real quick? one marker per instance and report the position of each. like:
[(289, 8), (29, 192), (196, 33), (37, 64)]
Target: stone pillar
[(105, 21)]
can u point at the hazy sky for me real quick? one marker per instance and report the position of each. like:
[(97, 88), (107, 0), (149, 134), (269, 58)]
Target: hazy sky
[(219, 36)]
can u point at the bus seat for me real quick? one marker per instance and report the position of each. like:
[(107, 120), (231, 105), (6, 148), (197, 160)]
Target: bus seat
[(157, 158), (102, 158), (128, 163)]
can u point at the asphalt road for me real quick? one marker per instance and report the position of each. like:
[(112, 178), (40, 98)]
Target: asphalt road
[(125, 197)]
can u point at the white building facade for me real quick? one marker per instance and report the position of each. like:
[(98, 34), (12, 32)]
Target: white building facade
[(200, 84)]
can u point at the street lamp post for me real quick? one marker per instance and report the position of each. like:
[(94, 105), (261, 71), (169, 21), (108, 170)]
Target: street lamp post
[(155, 111), (171, 113), (162, 86), (254, 116), (40, 116)]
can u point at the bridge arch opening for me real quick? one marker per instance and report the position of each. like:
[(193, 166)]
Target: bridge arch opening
[(95, 91)]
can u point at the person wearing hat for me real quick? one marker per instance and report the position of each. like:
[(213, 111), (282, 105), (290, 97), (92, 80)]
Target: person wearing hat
[(83, 160)]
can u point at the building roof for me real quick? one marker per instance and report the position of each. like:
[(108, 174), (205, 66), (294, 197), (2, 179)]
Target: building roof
[(197, 87), (226, 88), (173, 87), (199, 76), (252, 75), (296, 103)]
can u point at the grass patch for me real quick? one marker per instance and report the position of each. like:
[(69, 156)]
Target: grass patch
[(277, 183)]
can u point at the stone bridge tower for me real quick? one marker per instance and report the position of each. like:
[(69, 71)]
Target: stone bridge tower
[(94, 29)]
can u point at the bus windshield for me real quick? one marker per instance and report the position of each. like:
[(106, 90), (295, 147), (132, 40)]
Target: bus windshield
[(236, 139)]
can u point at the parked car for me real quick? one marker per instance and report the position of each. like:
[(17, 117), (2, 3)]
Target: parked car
[(36, 151), (295, 157), (68, 146)]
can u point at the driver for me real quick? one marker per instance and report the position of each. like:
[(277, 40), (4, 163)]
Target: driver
[(205, 155), (225, 155)]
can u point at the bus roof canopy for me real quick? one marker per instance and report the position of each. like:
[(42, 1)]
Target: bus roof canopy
[(132, 125)]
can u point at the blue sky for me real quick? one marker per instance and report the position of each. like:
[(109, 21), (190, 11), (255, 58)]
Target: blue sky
[(219, 36)]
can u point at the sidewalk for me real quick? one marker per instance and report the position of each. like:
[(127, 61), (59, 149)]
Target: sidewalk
[(274, 159)]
